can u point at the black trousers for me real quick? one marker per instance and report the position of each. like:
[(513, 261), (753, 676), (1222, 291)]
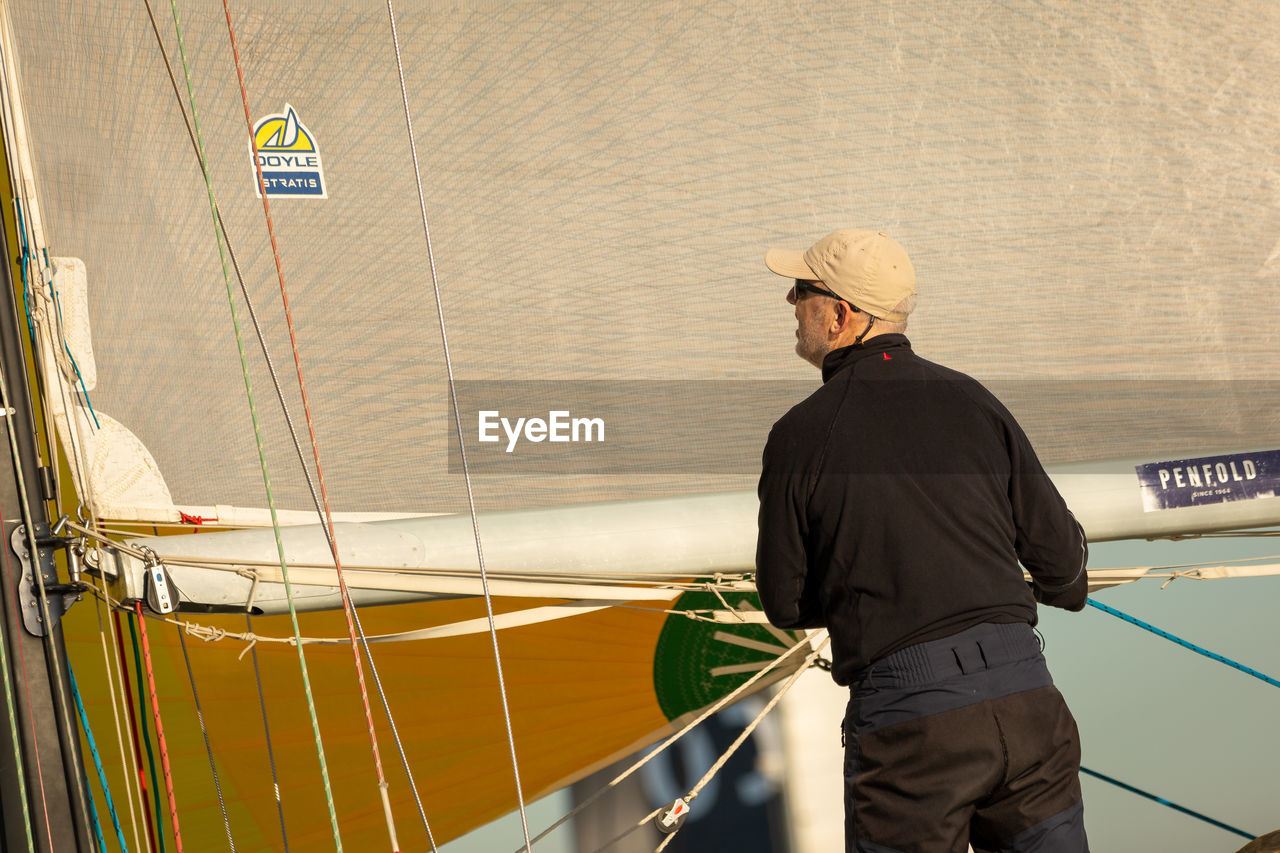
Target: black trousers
[(960, 741)]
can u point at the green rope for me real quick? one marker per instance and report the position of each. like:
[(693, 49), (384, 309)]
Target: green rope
[(146, 736), (257, 433)]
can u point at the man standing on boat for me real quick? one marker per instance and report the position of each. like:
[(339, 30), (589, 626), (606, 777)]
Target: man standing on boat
[(895, 505)]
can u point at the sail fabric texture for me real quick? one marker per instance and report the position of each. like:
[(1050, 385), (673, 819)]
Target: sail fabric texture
[(1091, 211), (1088, 195)]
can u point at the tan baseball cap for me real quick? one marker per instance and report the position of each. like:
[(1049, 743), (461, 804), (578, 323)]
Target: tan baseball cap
[(869, 269)]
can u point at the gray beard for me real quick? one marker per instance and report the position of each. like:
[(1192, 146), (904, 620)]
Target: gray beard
[(812, 346)]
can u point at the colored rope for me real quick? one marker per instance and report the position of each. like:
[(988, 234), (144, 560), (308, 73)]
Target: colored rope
[(257, 431), (84, 392), (1133, 620), (204, 730), (714, 708), (25, 265), (94, 822), (155, 711), (1162, 801), (293, 434), (457, 418), (306, 408), (156, 829), (102, 774), (113, 666), (12, 706), (266, 729), (395, 734)]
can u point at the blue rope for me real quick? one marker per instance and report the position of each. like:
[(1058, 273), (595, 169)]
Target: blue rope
[(57, 302), (102, 774), (1162, 801), (26, 306), (26, 262), (1186, 645)]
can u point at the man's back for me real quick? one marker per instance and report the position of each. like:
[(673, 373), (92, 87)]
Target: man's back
[(919, 493)]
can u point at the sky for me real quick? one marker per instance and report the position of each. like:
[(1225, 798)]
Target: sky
[(1152, 714)]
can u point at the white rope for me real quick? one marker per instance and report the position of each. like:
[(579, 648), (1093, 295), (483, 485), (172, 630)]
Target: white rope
[(118, 700), (457, 416), (690, 726), (746, 733)]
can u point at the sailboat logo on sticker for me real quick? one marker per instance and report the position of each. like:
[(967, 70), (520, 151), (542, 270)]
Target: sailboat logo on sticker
[(289, 157)]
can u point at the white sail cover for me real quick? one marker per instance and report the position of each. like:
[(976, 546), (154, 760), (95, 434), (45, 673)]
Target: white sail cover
[(1089, 193)]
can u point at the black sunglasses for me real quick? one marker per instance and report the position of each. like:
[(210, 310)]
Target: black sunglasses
[(802, 286)]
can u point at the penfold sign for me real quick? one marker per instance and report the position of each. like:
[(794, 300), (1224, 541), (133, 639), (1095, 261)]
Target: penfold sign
[(1209, 480)]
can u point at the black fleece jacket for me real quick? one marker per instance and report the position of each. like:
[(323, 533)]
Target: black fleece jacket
[(895, 505)]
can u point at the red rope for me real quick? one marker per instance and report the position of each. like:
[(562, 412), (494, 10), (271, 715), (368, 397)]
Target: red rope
[(315, 448), (133, 731), (155, 710)]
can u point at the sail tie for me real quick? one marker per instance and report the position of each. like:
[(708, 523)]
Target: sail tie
[(457, 417), (257, 431)]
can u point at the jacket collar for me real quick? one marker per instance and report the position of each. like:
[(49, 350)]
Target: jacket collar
[(839, 359)]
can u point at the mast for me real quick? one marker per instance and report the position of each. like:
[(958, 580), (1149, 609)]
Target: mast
[(49, 744)]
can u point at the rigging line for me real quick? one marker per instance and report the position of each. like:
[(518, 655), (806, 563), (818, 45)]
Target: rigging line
[(306, 408), (724, 758), (62, 335), (257, 431), (1162, 801), (746, 733), (457, 418), (53, 663), (210, 633), (126, 755), (714, 708), (650, 816), (11, 703), (155, 710), (673, 582), (1133, 620), (97, 764), (395, 733), (208, 748), (266, 729), (158, 832)]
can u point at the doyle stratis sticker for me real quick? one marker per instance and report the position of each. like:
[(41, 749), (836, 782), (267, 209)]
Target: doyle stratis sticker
[(1209, 480), (289, 157)]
